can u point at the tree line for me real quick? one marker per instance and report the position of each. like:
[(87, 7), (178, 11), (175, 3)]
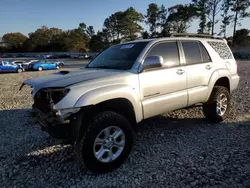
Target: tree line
[(126, 25)]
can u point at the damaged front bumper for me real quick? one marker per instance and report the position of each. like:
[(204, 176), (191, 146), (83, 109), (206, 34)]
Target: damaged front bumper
[(61, 124)]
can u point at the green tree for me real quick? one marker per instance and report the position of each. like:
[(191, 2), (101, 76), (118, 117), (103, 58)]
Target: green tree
[(14, 41), (179, 18), (78, 41), (162, 17), (41, 39), (113, 24), (90, 31), (226, 17), (242, 38), (100, 41), (240, 10), (109, 25), (152, 17), (82, 26), (145, 35), (214, 9), (207, 10), (202, 12), (130, 23)]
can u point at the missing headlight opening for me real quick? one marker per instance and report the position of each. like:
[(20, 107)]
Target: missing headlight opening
[(45, 99)]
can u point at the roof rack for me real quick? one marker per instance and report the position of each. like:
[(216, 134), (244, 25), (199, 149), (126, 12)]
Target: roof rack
[(202, 35)]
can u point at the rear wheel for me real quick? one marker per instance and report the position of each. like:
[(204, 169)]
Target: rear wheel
[(40, 69), (57, 67), (106, 143), (218, 106)]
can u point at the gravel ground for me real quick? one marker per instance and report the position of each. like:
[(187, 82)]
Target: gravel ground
[(178, 149)]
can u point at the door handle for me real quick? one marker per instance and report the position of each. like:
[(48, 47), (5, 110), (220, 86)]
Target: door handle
[(208, 67), (180, 71)]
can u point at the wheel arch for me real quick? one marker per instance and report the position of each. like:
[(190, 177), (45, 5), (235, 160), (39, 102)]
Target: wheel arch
[(219, 78), (125, 108), (113, 94)]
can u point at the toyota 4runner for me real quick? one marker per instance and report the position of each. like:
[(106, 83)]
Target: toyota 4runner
[(97, 108)]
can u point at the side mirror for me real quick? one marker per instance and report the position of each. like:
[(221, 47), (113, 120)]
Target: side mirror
[(153, 62)]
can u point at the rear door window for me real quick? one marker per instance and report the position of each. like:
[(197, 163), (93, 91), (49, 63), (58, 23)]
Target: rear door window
[(192, 52)]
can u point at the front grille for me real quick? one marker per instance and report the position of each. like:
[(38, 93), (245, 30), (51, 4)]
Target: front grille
[(42, 101)]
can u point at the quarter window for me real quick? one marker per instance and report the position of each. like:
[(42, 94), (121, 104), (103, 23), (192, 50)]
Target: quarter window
[(169, 51), (222, 49)]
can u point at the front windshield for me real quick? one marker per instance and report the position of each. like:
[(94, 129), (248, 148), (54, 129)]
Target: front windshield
[(121, 56)]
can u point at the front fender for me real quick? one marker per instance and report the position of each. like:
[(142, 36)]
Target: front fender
[(102, 94)]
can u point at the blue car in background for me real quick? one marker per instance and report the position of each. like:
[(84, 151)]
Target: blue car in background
[(43, 65), (59, 63), (6, 66)]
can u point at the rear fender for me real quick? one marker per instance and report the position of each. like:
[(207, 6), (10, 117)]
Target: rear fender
[(216, 76)]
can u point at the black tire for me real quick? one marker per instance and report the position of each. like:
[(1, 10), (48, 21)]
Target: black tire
[(61, 65), (210, 108), (85, 150)]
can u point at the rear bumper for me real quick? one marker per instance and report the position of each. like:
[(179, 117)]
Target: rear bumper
[(66, 127), (234, 82)]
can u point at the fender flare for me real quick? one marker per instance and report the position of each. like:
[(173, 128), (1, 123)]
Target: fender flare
[(220, 73), (103, 94)]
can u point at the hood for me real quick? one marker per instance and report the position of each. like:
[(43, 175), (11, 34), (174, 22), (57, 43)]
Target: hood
[(66, 78)]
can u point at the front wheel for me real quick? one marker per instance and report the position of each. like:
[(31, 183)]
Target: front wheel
[(106, 143), (218, 106), (40, 69), (19, 70), (57, 67)]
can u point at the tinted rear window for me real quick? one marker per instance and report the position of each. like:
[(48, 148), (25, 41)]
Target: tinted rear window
[(192, 52), (222, 49)]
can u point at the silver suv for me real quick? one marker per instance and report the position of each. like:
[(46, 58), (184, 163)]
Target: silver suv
[(96, 109)]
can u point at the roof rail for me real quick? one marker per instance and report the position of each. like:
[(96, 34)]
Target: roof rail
[(190, 35), (202, 35)]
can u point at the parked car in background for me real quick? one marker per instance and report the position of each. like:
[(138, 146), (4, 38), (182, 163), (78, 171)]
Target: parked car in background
[(18, 62), (80, 56), (6, 66), (47, 56), (59, 63), (25, 64), (43, 65)]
